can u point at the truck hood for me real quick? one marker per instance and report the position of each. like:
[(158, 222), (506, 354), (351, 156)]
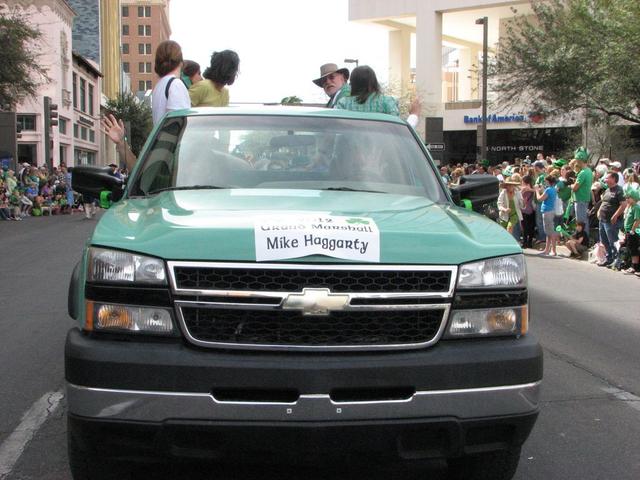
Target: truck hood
[(218, 225)]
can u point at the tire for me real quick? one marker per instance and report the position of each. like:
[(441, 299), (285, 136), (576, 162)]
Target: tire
[(86, 466), (489, 466)]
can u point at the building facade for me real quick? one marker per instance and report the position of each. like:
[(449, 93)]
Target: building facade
[(144, 25), (86, 112), (86, 28), (54, 19), (74, 87), (447, 76)]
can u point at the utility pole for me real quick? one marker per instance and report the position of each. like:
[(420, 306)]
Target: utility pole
[(484, 21)]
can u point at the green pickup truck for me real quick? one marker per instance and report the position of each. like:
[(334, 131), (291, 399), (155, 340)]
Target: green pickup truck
[(294, 285)]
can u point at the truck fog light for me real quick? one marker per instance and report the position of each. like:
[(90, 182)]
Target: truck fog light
[(114, 317), (488, 322)]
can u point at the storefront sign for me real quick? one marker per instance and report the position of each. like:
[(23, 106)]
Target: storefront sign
[(85, 121), (436, 147), (519, 118), (293, 236), (516, 148)]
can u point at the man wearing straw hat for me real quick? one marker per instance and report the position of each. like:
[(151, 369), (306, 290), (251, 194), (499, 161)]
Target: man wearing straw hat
[(333, 81), (510, 205)]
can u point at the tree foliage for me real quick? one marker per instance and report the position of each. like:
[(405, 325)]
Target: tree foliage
[(570, 55), (21, 74), (292, 100), (137, 114)]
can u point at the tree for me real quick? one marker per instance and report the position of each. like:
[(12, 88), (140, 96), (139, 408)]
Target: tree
[(571, 55), (21, 74), (292, 100), (137, 114)]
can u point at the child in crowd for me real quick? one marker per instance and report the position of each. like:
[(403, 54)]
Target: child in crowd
[(631, 225), (579, 241)]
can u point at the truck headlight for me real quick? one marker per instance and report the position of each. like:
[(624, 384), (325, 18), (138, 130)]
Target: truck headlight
[(126, 318), (489, 322), (506, 271), (116, 266)]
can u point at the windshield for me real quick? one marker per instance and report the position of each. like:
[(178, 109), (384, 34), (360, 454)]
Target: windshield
[(286, 152)]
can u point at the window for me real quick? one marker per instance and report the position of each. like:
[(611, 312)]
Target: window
[(125, 67), (149, 84), (83, 133), (147, 30), (75, 91), (75, 130), (92, 136), (125, 48), (125, 30), (144, 11), (144, 67), (141, 48), (63, 154), (27, 122), (125, 11), (141, 30), (140, 11), (363, 154), (62, 125), (90, 99), (147, 48), (83, 90), (141, 85)]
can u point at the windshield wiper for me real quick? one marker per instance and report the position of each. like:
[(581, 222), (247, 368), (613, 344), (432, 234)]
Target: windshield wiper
[(349, 189), (189, 187)]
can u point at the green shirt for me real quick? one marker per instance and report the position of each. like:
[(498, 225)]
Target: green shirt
[(585, 179), (631, 214), (205, 94), (540, 179), (345, 91), (564, 192), (374, 103)]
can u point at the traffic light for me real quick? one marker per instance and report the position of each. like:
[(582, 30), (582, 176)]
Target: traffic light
[(50, 113)]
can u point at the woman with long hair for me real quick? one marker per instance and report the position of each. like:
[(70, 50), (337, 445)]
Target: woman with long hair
[(212, 91), (366, 94)]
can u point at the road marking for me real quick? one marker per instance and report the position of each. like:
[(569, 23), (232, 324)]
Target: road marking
[(630, 398), (12, 448)]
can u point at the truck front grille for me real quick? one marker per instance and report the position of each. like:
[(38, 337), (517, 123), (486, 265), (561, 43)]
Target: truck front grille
[(293, 280), (281, 328), (311, 307)]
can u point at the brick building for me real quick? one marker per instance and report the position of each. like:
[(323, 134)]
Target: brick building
[(144, 24)]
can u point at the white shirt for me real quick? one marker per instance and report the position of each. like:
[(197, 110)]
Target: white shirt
[(178, 97)]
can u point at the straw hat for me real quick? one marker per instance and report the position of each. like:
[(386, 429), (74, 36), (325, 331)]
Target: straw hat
[(515, 180), (329, 68)]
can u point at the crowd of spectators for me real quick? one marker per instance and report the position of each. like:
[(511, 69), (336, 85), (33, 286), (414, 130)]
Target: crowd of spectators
[(35, 191), (585, 206)]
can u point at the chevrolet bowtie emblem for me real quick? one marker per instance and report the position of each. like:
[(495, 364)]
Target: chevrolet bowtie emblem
[(315, 301)]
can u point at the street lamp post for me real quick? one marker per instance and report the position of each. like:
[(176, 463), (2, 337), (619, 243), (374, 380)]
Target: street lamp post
[(351, 60), (484, 21)]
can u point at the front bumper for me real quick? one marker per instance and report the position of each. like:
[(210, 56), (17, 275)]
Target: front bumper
[(161, 399)]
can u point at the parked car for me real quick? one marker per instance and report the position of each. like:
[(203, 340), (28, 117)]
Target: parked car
[(294, 285)]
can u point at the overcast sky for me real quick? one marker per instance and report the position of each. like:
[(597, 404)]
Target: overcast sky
[(281, 43)]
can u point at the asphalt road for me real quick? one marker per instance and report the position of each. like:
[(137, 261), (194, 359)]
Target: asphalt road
[(587, 319)]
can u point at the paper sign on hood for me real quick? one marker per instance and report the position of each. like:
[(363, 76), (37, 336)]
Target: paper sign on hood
[(293, 236)]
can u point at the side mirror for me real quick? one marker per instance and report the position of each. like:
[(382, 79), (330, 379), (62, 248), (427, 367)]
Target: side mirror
[(95, 181), (478, 190)]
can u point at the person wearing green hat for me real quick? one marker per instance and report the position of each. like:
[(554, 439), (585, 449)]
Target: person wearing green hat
[(631, 227), (582, 186)]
